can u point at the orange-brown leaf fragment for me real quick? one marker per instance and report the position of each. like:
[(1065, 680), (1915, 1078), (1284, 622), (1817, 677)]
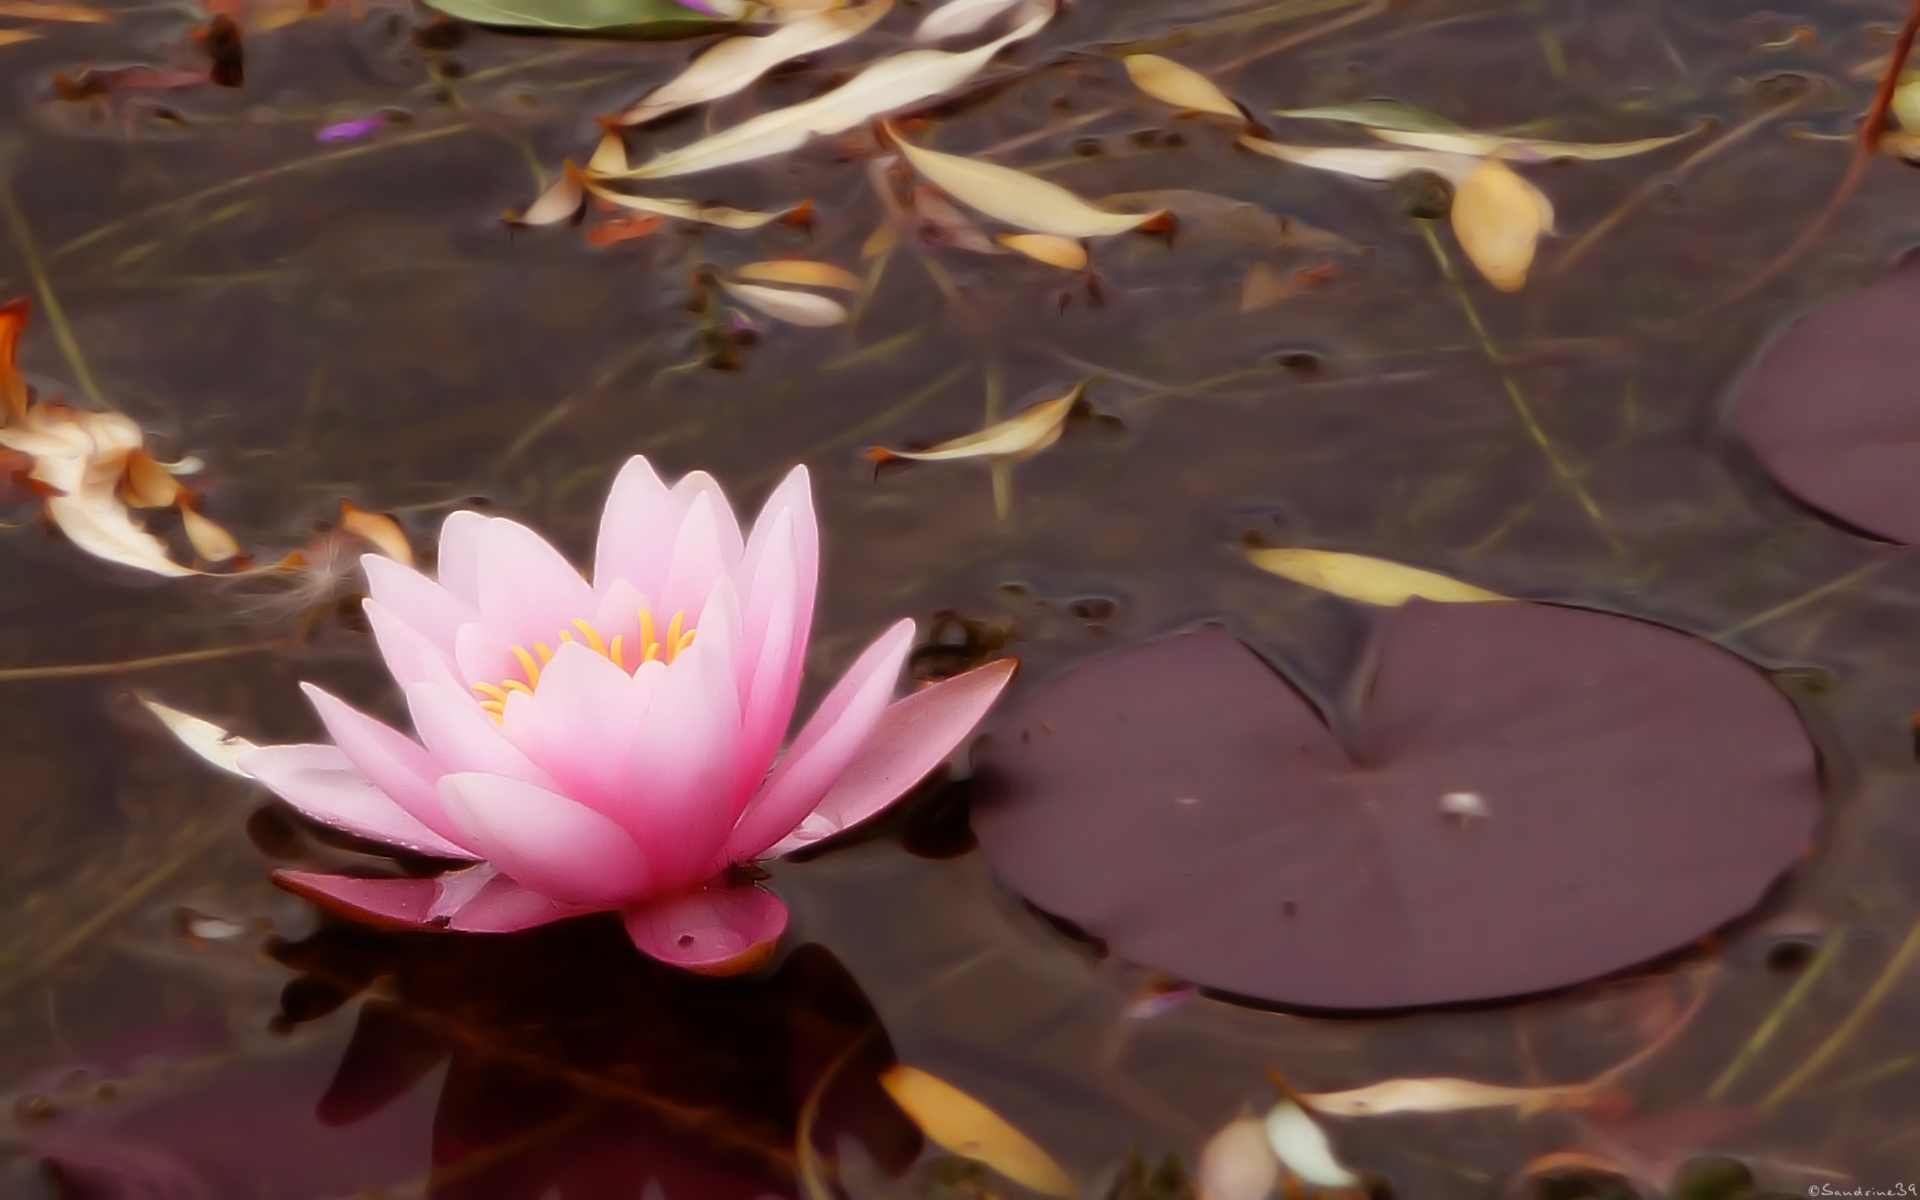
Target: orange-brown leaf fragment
[(380, 529), (147, 484), (623, 229), (31, 10), (13, 389), (210, 541)]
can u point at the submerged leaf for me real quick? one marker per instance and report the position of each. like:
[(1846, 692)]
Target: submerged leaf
[(560, 202), (886, 86), (1048, 248), (957, 18), (1375, 114), (1017, 197), (1368, 580), (795, 308), (1302, 1147), (962, 1125), (1437, 1096), (1238, 1163), (687, 210), (801, 272), (1020, 436), (1906, 102), (663, 17), (1366, 163), (203, 737), (210, 541), (1180, 86), (733, 64), (1521, 149), (1499, 218)]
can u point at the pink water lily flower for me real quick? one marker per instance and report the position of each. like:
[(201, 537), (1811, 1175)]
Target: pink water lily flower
[(614, 745)]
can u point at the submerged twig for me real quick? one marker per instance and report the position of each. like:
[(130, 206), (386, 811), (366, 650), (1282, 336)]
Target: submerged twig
[(1521, 406), (123, 666), (1800, 601), (1876, 994), (49, 301), (1778, 1017)]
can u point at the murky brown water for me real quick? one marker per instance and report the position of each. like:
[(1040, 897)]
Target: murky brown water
[(322, 322)]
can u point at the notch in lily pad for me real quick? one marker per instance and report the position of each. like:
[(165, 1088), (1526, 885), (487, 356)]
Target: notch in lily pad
[(1634, 789)]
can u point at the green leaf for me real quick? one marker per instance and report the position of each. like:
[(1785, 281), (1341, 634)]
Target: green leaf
[(1375, 114), (652, 18)]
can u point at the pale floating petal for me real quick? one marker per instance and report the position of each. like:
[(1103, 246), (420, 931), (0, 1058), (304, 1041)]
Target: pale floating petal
[(203, 737), (1303, 1148), (1368, 580), (795, 308), (455, 889), (912, 737), (886, 86), (1365, 163), (379, 529), (1499, 218), (829, 743), (957, 18), (801, 273), (687, 210), (1015, 196), (544, 840), (1376, 115), (1019, 436), (393, 762), (108, 531), (1438, 1096), (1048, 248), (715, 930), (610, 156), (736, 62), (388, 903), (1180, 86), (458, 566), (1238, 1163), (962, 1125), (1522, 149), (323, 783), (560, 202)]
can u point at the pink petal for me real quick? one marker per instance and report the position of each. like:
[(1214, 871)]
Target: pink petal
[(323, 784), (459, 564), (683, 765), (830, 741), (391, 761), (404, 647), (618, 616), (637, 529), (463, 737), (545, 841), (482, 655), (581, 725), (773, 644), (431, 610), (392, 903), (692, 486), (713, 930), (698, 558), (914, 736), (795, 497), (503, 906), (528, 591)]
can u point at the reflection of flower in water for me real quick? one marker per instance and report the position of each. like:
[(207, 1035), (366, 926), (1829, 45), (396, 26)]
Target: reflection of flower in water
[(584, 1071)]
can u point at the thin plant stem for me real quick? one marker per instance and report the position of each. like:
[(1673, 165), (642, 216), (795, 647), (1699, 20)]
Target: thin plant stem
[(124, 666), (1800, 601), (49, 300), (1855, 1020), (1776, 1019), (1520, 405)]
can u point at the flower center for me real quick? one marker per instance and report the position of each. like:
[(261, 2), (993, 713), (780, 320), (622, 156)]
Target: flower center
[(652, 647)]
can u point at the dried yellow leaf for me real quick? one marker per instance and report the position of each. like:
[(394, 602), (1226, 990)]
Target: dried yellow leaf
[(210, 542), (803, 272), (1015, 196), (687, 210), (1048, 248), (962, 1125), (1499, 218), (1020, 436), (560, 202), (1368, 580), (378, 528), (795, 308), (1521, 149), (203, 737), (1238, 1163), (9, 36), (1182, 87), (148, 484), (1263, 289), (1437, 1096), (30, 10)]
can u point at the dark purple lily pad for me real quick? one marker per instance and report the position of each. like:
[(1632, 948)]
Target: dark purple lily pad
[(1833, 407), (1521, 797)]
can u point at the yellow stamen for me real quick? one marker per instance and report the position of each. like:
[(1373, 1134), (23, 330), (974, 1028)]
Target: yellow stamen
[(514, 685), (686, 639), (673, 634), (649, 643), (499, 694), (613, 652), (593, 637), (566, 635), (526, 662), (544, 651)]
